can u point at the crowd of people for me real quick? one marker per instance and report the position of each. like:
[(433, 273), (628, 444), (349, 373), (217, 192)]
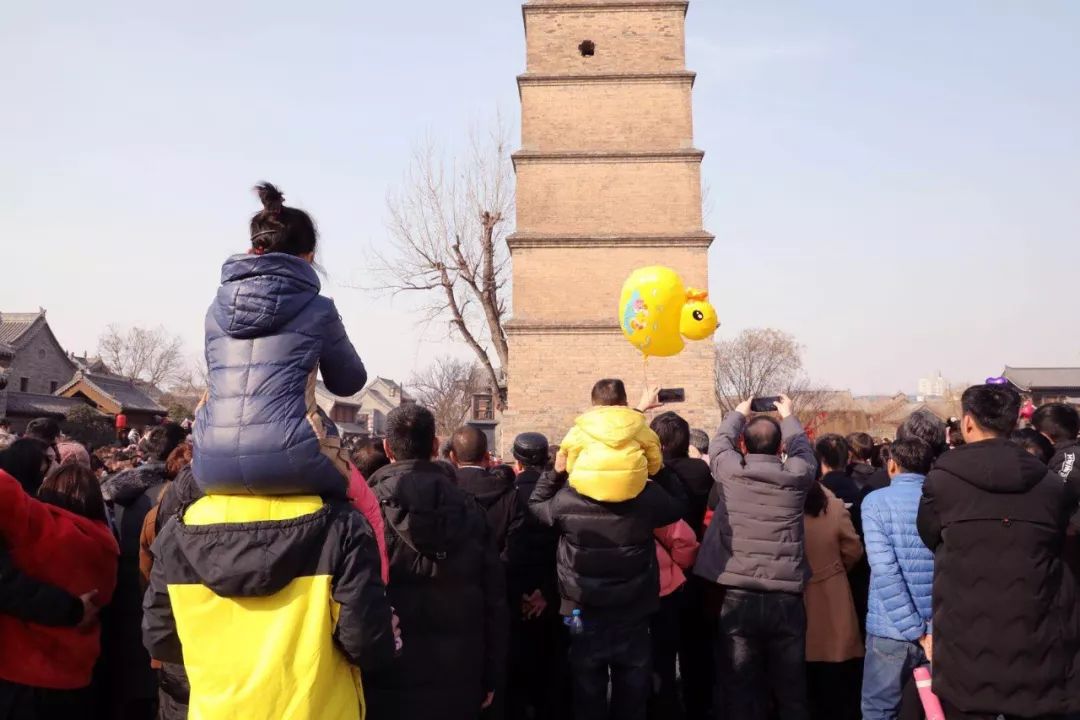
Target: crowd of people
[(635, 568)]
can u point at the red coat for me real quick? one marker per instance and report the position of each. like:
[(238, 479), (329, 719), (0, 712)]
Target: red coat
[(70, 552)]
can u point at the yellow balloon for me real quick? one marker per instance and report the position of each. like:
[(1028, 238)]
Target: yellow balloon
[(656, 311)]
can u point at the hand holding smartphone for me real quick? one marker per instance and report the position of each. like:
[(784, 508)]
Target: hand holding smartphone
[(764, 404)]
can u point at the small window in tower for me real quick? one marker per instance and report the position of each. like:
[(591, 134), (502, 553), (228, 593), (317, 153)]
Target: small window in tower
[(587, 48)]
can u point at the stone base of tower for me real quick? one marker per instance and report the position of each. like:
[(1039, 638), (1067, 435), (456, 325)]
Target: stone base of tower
[(552, 371)]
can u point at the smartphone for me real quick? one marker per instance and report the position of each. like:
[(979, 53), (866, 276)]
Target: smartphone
[(765, 404), (671, 395)]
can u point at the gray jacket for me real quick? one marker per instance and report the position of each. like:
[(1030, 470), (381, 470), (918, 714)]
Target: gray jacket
[(755, 539)]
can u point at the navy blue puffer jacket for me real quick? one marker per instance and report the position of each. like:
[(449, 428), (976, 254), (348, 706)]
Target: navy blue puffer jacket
[(268, 333)]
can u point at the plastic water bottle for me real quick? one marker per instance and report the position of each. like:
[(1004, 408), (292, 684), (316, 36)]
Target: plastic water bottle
[(574, 622)]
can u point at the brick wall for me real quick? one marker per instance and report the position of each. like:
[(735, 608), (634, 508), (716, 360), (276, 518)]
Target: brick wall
[(584, 284), (609, 198), (627, 41), (42, 362), (607, 116)]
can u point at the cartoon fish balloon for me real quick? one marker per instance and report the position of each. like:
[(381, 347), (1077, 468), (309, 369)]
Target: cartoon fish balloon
[(656, 312)]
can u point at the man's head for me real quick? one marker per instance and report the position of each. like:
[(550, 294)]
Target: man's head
[(990, 411), (46, 430), (609, 392), (862, 447), (5, 426), (699, 440), (1057, 421), (161, 441), (911, 455), (469, 446), (674, 434), (369, 457), (530, 451), (762, 436), (410, 433), (832, 452), (926, 426)]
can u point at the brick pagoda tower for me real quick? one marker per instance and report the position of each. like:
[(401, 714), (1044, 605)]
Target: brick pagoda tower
[(608, 180)]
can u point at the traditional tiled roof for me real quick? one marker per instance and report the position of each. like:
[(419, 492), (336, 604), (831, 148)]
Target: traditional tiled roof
[(121, 391), (14, 327), (20, 404), (1034, 377)]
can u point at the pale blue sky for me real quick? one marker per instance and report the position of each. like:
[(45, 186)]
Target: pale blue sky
[(897, 184)]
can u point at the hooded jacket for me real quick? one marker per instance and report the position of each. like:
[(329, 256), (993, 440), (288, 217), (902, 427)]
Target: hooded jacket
[(611, 452), (755, 540), (697, 481), (447, 586), (271, 604), (494, 490), (901, 566), (607, 563), (71, 552), (268, 334), (1006, 621)]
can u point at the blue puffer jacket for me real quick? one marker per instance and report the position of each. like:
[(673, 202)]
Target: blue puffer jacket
[(901, 566), (267, 335)]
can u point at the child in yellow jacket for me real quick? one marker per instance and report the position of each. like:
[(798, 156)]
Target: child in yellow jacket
[(611, 452)]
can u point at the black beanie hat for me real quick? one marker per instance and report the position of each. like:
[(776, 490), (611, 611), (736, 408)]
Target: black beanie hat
[(531, 449)]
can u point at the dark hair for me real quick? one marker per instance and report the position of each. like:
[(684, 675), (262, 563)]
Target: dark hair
[(410, 432), (912, 455), (609, 392), (470, 444), (861, 446), (1060, 422), (994, 408), (926, 426), (45, 429), (161, 441), (4, 422), (699, 439), (281, 229), (762, 436), (832, 450), (817, 502), (444, 449), (178, 459), (674, 434), (954, 433), (881, 455), (22, 460), (369, 457), (74, 487), (1035, 443)]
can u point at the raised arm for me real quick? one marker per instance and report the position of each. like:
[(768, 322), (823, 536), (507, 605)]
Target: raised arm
[(724, 447), (341, 367), (542, 501)]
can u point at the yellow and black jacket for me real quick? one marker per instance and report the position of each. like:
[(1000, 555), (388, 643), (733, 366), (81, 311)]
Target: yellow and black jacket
[(273, 604)]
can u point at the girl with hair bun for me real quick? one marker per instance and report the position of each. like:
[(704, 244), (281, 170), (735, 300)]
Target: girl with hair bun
[(269, 333)]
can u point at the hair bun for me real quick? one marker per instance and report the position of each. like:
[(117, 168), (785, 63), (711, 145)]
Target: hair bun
[(272, 199)]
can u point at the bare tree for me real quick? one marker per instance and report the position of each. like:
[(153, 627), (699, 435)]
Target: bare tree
[(762, 362), (446, 387), (449, 221), (147, 354)]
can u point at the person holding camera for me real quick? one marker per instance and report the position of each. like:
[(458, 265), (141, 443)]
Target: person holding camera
[(753, 554)]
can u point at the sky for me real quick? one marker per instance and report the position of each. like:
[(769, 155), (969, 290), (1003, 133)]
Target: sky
[(895, 184)]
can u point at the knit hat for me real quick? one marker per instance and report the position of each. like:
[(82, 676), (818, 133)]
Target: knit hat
[(531, 449), (71, 451)]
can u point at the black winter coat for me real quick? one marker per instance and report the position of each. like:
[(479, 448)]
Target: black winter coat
[(532, 561), (697, 482), (607, 552), (447, 586), (494, 490), (1006, 622), (868, 478)]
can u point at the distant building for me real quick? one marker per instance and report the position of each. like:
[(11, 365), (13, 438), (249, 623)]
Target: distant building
[(363, 414), (113, 395), (31, 355), (1043, 385), (933, 387)]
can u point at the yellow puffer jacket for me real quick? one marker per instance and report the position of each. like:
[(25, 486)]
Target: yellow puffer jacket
[(273, 604), (611, 453)]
